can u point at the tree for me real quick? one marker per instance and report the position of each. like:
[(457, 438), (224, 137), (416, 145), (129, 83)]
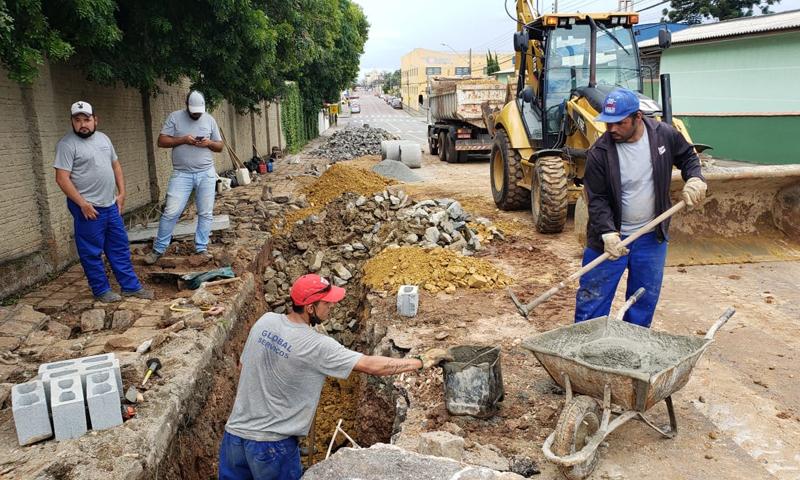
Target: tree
[(694, 11), (391, 81), (492, 63)]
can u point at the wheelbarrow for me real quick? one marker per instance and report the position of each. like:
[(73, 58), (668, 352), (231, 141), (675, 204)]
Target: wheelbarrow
[(611, 362)]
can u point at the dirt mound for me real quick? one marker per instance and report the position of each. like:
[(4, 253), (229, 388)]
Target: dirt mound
[(336, 181), (436, 269)]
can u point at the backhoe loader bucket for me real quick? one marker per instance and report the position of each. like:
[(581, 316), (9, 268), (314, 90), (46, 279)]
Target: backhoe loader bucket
[(752, 215)]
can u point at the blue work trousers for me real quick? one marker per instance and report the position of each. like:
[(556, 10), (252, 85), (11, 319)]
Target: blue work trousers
[(179, 189), (241, 459), (645, 264), (106, 234)]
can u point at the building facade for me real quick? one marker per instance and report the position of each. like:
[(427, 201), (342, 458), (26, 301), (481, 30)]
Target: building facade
[(419, 64), (734, 84)]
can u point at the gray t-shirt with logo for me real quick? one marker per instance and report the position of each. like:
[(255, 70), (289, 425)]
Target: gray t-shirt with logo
[(284, 365), (189, 158), (89, 162), (638, 192)]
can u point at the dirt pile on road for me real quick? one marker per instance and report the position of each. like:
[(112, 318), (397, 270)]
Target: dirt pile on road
[(337, 180), (435, 269), (353, 142)]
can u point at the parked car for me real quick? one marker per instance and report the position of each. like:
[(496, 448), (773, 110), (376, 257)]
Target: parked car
[(397, 103), (355, 107)]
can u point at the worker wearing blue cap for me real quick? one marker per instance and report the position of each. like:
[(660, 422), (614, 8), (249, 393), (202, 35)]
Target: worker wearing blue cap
[(627, 179)]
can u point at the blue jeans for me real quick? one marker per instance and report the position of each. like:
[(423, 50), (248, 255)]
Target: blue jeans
[(179, 189), (645, 264), (241, 459), (106, 234)]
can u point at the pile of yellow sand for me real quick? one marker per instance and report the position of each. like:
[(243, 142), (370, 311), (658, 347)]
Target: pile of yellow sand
[(435, 270), (336, 181)]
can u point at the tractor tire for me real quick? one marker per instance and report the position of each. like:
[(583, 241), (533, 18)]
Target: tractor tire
[(549, 202), (505, 170), (442, 146), (577, 423)]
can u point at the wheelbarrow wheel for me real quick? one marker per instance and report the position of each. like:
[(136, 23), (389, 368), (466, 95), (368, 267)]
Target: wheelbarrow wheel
[(577, 423)]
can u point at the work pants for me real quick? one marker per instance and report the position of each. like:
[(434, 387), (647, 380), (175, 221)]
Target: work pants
[(179, 190), (242, 459), (105, 234), (645, 265)]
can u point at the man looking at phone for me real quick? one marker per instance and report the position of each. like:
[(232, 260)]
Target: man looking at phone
[(193, 135)]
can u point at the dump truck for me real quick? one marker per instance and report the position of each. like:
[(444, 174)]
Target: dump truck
[(456, 126), (566, 63)]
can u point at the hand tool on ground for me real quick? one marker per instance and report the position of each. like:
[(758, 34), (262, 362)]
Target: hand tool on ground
[(153, 365), (525, 309)]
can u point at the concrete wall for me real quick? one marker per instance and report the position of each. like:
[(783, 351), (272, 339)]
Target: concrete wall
[(36, 232), (739, 95)]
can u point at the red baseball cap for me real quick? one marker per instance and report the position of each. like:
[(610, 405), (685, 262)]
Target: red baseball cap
[(312, 288)]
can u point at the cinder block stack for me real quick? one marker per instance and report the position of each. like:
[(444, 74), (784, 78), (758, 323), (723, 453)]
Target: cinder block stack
[(63, 390)]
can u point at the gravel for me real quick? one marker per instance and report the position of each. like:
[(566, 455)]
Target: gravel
[(396, 170), (353, 142)]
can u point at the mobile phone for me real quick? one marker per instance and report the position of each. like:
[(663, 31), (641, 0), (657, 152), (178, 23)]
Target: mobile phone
[(199, 139)]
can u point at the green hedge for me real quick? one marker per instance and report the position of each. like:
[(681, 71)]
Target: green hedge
[(294, 125)]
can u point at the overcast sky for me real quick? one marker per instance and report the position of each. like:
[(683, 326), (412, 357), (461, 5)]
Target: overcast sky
[(399, 26)]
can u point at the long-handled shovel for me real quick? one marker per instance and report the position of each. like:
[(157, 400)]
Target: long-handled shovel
[(525, 310)]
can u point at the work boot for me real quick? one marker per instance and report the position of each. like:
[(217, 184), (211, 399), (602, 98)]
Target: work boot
[(141, 293), (109, 297), (205, 255), (152, 257)]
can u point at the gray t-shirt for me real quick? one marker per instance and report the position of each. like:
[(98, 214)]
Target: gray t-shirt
[(638, 193), (188, 158), (284, 365), (89, 162)]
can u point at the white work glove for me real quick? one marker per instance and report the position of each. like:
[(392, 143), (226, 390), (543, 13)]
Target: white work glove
[(435, 356), (694, 192), (612, 244)]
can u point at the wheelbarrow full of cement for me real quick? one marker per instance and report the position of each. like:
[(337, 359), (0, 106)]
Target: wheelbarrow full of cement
[(611, 362)]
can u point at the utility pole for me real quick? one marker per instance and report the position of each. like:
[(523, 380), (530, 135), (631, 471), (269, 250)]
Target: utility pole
[(555, 6), (470, 62)]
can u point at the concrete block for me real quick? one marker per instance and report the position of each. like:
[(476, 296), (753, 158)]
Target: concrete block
[(95, 367), (408, 300), (31, 417), (102, 397), (68, 407)]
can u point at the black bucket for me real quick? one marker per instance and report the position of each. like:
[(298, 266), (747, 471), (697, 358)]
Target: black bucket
[(473, 382)]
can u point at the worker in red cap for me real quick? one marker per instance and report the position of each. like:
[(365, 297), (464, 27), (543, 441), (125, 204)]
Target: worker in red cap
[(283, 367)]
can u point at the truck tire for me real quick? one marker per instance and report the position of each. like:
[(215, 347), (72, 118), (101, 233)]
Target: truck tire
[(549, 201), (505, 170), (442, 146), (432, 147)]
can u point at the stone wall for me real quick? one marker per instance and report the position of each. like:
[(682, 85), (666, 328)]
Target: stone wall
[(36, 233)]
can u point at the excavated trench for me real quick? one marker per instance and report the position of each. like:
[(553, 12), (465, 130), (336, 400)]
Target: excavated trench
[(334, 239)]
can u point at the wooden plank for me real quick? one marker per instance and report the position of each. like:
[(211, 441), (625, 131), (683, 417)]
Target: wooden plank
[(138, 234)]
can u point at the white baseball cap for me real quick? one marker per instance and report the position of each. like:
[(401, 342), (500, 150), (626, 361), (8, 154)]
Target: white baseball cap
[(81, 107), (197, 104)]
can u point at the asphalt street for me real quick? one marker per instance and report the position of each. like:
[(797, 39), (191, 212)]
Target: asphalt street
[(377, 113)]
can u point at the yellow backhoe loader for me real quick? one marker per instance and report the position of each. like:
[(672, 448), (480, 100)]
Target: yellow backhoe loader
[(566, 63)]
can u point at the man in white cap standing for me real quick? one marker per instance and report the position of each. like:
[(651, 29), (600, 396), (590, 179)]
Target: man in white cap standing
[(90, 175), (193, 135)]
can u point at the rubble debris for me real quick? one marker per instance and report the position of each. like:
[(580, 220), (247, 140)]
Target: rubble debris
[(436, 270), (441, 444), (352, 142), (93, 320)]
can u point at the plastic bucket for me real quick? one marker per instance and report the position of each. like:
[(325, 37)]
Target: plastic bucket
[(473, 381)]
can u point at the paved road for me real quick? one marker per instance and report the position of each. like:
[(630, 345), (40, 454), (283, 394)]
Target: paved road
[(378, 113)]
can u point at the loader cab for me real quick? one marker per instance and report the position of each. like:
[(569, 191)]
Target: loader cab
[(579, 51)]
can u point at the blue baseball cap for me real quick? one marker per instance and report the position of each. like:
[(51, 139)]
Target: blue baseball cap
[(619, 103)]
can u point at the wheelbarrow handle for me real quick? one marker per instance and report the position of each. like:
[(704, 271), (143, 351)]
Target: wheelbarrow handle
[(633, 299), (720, 322)]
